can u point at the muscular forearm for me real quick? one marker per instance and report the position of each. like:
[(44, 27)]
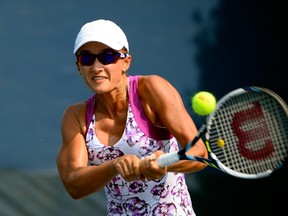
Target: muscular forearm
[(190, 166), (186, 167), (86, 180)]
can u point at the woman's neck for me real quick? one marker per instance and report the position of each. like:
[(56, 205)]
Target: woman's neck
[(114, 102)]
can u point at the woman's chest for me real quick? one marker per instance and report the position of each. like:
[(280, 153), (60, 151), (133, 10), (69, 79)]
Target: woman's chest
[(109, 131)]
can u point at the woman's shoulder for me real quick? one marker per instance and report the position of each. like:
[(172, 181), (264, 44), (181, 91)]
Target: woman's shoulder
[(77, 109), (78, 106), (151, 78), (151, 82), (154, 85)]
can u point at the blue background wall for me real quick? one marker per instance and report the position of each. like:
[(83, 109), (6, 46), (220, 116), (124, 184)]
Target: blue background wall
[(213, 45)]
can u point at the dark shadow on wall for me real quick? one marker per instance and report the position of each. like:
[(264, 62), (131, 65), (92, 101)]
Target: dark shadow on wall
[(250, 48)]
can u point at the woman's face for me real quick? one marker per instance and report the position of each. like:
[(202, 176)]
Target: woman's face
[(102, 76)]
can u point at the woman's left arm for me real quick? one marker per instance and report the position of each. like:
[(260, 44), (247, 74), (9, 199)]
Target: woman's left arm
[(163, 105)]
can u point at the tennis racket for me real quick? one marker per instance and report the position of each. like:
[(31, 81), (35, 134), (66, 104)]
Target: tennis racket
[(252, 123)]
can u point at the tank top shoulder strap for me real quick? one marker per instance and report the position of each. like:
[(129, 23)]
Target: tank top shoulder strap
[(90, 104), (142, 120)]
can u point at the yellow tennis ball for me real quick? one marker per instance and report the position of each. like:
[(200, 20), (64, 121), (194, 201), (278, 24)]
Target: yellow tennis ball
[(203, 103), (220, 143)]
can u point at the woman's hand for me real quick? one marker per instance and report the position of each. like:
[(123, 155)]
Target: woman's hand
[(150, 170), (128, 166)]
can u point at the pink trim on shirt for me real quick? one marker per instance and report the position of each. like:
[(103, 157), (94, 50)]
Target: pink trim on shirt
[(142, 120), (89, 109)]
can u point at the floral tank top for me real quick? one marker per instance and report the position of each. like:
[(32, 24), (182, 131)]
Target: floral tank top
[(167, 196)]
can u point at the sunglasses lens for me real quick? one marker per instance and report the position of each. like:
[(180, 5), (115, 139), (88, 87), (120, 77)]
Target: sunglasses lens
[(86, 59), (108, 58)]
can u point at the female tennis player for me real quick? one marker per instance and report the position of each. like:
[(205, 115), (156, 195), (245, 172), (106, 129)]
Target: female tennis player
[(113, 138)]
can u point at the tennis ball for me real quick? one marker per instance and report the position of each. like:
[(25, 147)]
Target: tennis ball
[(203, 103), (220, 143)]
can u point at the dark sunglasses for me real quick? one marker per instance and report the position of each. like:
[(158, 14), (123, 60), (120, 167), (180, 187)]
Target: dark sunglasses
[(88, 59)]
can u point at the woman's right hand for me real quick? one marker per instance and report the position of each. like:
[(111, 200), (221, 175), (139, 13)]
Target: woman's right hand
[(128, 166)]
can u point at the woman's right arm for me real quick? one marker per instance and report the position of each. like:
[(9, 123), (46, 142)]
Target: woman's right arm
[(78, 178)]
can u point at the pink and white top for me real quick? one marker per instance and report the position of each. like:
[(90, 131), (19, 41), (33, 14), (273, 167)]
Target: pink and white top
[(167, 196)]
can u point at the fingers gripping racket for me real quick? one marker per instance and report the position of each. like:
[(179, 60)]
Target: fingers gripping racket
[(246, 135)]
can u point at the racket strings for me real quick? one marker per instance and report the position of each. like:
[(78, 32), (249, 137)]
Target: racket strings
[(254, 127)]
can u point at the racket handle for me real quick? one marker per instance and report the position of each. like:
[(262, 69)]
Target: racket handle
[(168, 159)]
